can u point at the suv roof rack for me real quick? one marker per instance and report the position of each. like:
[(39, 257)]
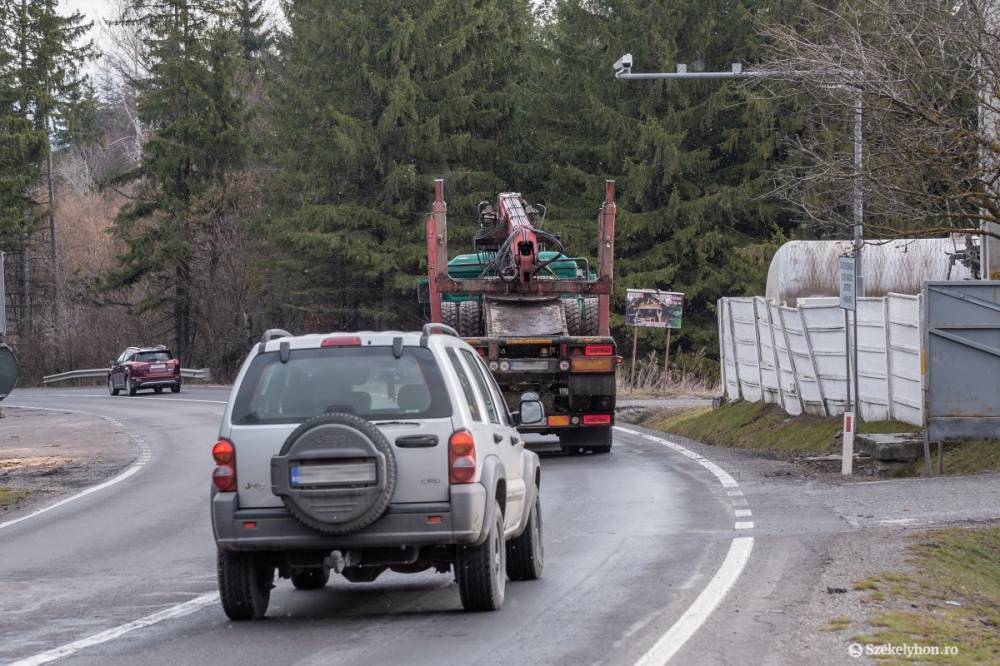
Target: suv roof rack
[(272, 334), (432, 328)]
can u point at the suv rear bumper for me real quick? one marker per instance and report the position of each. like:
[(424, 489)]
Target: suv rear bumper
[(462, 521)]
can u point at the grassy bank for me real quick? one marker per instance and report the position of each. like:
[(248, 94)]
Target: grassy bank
[(950, 598), (754, 425), (9, 496)]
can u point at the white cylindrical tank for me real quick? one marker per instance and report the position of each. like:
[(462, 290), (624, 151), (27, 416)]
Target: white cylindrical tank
[(809, 268)]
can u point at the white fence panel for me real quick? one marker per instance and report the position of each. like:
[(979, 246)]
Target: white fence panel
[(797, 357), (903, 339)]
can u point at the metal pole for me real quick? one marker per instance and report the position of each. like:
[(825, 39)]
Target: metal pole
[(666, 361), (631, 379), (858, 213), (847, 360)]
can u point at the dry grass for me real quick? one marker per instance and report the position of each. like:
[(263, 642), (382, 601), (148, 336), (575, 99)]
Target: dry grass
[(688, 377)]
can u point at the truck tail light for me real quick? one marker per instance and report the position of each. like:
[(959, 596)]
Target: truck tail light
[(598, 350), (224, 474), (597, 419), (461, 457)]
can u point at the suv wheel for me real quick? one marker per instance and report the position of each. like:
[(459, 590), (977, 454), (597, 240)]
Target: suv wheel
[(311, 579), (526, 554), (111, 387), (244, 585), (482, 570), (175, 388), (132, 388)]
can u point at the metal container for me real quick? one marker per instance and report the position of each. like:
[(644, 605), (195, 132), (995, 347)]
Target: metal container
[(802, 269)]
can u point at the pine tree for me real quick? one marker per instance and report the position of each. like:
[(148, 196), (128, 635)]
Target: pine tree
[(197, 141), (691, 158), (374, 100)]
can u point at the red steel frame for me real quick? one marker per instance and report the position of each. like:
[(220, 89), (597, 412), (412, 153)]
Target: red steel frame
[(512, 211)]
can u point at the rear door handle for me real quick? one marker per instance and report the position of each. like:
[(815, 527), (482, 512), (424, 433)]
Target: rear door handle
[(417, 441), (497, 438)]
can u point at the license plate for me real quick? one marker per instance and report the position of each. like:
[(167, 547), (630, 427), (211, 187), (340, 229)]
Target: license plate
[(334, 474), (158, 366), (529, 365)]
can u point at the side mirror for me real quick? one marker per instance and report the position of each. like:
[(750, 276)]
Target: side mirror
[(531, 412)]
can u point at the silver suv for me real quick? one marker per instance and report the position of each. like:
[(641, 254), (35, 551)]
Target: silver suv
[(361, 452)]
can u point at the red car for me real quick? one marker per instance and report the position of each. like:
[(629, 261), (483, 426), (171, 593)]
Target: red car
[(142, 368)]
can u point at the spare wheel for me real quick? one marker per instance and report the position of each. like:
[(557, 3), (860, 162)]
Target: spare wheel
[(336, 473)]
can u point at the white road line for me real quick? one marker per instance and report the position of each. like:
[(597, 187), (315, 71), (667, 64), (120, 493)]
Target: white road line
[(743, 525), (703, 606), (171, 613), (723, 476), (740, 502), (144, 455), (131, 397), (736, 559), (743, 513)]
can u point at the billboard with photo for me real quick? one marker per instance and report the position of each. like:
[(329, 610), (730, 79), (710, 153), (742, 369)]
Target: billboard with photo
[(653, 308)]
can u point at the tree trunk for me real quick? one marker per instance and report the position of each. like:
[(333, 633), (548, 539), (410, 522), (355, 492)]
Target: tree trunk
[(24, 326), (182, 312), (54, 241)]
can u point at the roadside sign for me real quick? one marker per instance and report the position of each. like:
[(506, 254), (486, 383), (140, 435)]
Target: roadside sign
[(3, 301), (8, 371), (848, 288), (653, 308)]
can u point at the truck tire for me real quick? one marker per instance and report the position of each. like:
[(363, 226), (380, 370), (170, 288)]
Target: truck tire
[(470, 321), (526, 553), (589, 320), (481, 570), (335, 437), (449, 314), (571, 309), (244, 585), (311, 579)]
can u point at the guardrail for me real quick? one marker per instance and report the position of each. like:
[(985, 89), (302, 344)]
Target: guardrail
[(203, 374)]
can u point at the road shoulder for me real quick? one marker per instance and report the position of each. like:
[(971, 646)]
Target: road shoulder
[(46, 455)]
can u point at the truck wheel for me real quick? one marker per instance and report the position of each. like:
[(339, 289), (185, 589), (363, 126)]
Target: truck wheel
[(526, 554), (571, 309), (482, 570), (589, 321), (470, 321), (449, 314), (311, 579), (244, 585)]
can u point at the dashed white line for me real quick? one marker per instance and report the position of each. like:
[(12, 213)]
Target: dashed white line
[(736, 559), (144, 455), (171, 613), (743, 513), (743, 525)]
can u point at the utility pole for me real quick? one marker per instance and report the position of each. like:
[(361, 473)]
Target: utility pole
[(623, 71)]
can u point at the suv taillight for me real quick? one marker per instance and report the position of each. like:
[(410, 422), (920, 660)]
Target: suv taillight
[(461, 457), (224, 475)]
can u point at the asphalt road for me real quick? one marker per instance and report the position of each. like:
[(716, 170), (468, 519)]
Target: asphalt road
[(632, 539)]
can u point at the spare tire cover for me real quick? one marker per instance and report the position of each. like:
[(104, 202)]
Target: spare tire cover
[(336, 473)]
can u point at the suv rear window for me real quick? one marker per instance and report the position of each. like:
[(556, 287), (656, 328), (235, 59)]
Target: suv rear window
[(366, 381), (152, 356)]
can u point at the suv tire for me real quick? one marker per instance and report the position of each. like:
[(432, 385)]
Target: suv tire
[(526, 554), (481, 570), (311, 579), (175, 388), (244, 585), (111, 386), (307, 506), (132, 388)]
